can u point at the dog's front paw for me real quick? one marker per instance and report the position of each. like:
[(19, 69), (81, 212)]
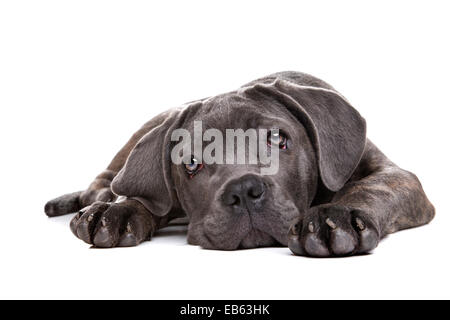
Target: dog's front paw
[(329, 231), (107, 225)]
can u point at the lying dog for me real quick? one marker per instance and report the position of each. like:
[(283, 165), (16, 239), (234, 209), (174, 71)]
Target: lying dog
[(334, 194)]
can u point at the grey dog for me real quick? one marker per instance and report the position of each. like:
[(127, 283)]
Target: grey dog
[(335, 193)]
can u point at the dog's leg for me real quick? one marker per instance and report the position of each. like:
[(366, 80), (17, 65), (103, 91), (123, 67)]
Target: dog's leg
[(380, 199), (99, 189)]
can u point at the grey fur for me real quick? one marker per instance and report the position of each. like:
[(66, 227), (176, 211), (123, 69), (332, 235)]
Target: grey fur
[(335, 193)]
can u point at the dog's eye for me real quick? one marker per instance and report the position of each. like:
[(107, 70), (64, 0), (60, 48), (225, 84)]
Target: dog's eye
[(193, 167), (277, 139)]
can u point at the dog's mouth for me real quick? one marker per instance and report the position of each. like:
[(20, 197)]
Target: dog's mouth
[(257, 238), (227, 234)]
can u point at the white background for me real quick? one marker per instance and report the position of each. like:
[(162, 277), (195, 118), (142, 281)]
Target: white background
[(78, 77)]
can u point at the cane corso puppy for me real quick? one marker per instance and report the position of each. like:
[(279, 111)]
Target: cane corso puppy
[(335, 193)]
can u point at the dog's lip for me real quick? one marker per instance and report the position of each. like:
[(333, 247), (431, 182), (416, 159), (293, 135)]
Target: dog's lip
[(214, 242), (253, 236)]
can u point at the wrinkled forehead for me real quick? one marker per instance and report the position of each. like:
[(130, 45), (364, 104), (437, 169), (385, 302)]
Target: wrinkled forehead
[(237, 111)]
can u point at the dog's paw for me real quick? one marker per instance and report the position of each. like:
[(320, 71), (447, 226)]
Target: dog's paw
[(329, 231), (107, 225)]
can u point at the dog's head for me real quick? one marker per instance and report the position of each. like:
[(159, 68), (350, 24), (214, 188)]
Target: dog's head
[(320, 140)]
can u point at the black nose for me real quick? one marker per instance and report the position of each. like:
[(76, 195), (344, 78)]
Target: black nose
[(244, 192)]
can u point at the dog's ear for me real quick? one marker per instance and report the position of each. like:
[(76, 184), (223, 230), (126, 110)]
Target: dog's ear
[(337, 130), (146, 173)]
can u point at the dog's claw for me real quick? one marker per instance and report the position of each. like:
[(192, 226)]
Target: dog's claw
[(368, 240), (330, 223), (294, 230), (294, 239), (312, 242), (360, 224)]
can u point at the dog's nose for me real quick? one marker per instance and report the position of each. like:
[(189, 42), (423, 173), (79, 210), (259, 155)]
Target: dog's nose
[(244, 192)]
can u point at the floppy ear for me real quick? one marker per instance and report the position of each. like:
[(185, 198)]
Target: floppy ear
[(337, 130), (146, 173)]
